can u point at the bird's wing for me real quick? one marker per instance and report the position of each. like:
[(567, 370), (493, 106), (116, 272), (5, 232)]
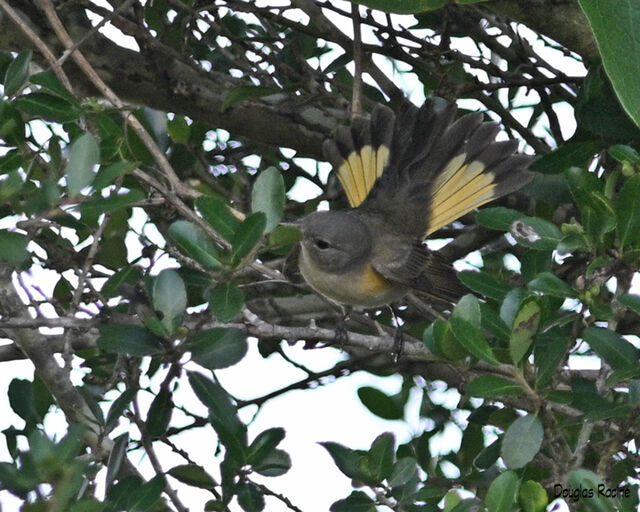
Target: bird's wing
[(424, 271), (421, 169)]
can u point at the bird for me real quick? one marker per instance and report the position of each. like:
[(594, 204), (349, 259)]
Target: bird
[(406, 174)]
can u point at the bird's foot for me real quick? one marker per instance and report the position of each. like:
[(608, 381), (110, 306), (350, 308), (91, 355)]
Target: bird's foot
[(398, 344)]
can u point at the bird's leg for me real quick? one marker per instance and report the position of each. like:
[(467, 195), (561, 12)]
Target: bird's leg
[(341, 331), (398, 338)]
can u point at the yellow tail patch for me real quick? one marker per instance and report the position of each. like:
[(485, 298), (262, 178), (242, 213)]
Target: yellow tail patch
[(458, 190), (359, 172)]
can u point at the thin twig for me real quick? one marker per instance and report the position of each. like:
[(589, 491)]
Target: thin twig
[(356, 94)]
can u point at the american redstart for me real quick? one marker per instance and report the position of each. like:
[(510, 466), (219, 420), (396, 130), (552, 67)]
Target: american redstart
[(405, 177)]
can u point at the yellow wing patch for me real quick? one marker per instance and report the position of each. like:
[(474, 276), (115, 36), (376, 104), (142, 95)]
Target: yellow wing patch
[(360, 170), (459, 189)]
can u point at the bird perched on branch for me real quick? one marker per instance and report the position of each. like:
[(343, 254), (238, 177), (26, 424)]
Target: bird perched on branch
[(405, 176)]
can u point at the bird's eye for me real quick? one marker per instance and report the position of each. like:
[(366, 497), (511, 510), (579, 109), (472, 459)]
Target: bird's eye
[(322, 244)]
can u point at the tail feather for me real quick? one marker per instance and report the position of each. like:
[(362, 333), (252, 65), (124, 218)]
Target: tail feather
[(359, 154), (423, 166)]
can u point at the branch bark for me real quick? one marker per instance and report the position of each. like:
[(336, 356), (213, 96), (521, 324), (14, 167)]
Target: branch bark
[(563, 21)]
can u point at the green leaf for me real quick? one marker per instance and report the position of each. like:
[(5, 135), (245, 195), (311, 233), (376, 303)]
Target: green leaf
[(268, 196), (218, 215), (113, 202), (532, 497), (127, 275), (219, 347), (357, 501), (12, 127), (107, 175), (599, 110), (226, 301), (511, 304), (117, 408), (623, 153), (338, 63), (117, 455), (17, 72), (484, 283), (169, 297), (13, 160), (627, 207), (468, 505), (598, 215), (488, 455), (492, 322), (5, 59), (48, 107), (525, 327), (612, 347), (584, 396), (585, 479), (403, 471), (522, 441), (14, 480), (146, 495), (21, 399), (380, 456), (121, 494), (250, 497), (573, 154), (471, 339), (276, 463), (344, 458), (439, 339), (192, 474), (132, 340), (247, 236), (223, 415), (471, 444), (548, 284), (159, 414), (195, 243), (13, 248), (634, 391), (498, 218), (536, 233), (380, 404), (549, 351), (179, 130), (468, 308), (50, 82), (492, 386), (71, 444), (502, 492), (264, 444), (614, 24), (629, 300), (83, 156), (245, 93), (535, 262)]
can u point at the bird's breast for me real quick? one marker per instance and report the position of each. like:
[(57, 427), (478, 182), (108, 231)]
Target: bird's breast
[(360, 285)]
